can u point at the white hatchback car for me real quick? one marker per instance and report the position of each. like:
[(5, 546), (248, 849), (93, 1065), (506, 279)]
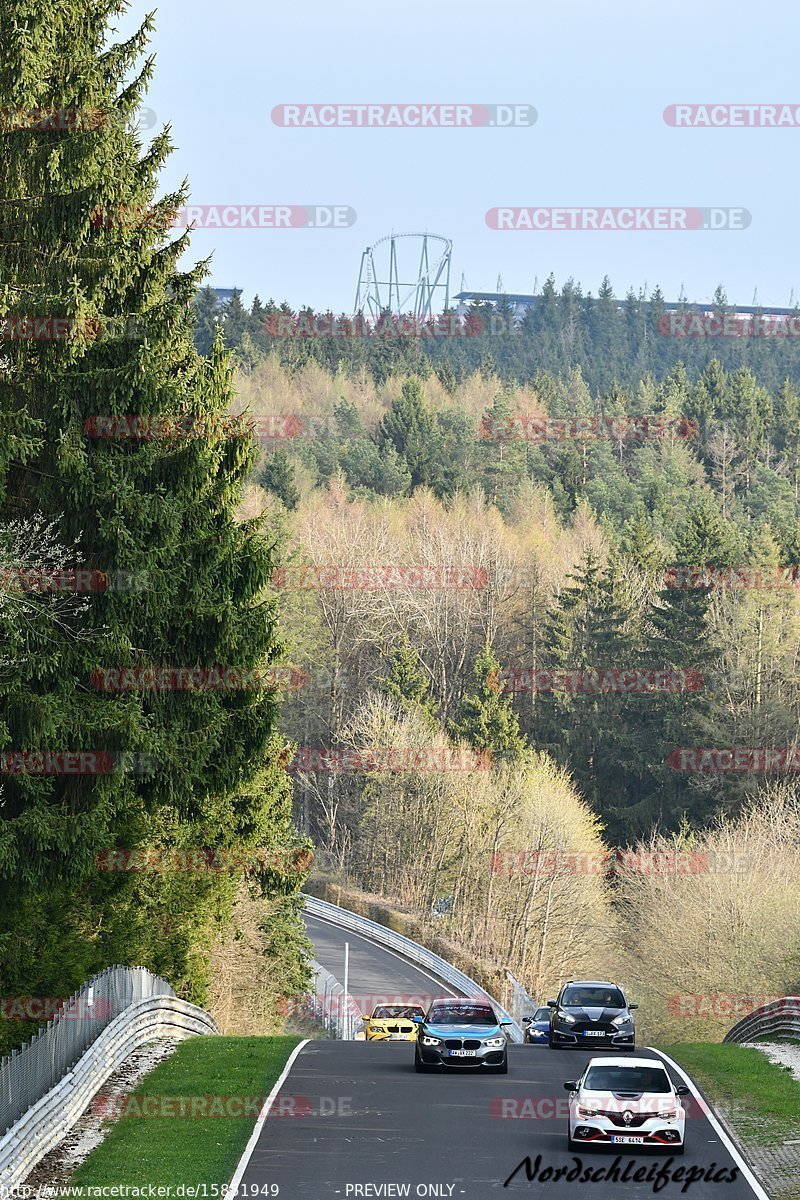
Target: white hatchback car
[(626, 1102)]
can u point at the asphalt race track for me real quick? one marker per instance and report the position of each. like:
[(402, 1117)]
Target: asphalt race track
[(374, 971), (353, 1119)]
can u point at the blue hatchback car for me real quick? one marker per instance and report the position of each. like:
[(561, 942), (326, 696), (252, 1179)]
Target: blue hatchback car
[(461, 1033)]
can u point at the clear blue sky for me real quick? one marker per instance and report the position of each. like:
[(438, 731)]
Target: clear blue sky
[(599, 75)]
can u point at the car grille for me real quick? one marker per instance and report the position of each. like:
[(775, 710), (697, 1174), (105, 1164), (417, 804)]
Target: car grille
[(462, 1043), (616, 1118), (399, 1028)]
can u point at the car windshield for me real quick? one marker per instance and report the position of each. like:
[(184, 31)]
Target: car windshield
[(542, 1014), (627, 1079), (592, 997), (385, 1011), (462, 1014)]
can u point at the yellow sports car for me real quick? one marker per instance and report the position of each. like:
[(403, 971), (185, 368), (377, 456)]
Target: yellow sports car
[(392, 1023)]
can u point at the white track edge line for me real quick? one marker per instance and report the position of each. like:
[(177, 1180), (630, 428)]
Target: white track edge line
[(731, 1147), (233, 1186)]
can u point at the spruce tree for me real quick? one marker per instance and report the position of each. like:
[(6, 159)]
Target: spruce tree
[(486, 716), (84, 238)]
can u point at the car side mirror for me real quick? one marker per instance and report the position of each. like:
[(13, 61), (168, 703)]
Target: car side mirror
[(632, 1006), (552, 1004), (527, 1020), (418, 1020), (506, 1021), (683, 1090), (570, 1086)]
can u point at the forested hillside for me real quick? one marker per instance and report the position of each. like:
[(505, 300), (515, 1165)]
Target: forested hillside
[(450, 585)]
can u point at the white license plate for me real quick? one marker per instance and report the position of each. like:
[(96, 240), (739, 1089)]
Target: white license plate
[(396, 1036), (593, 1033), (463, 1053), (629, 1141)]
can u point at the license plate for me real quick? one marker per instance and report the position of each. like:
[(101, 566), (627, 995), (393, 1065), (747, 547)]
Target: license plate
[(463, 1053), (629, 1141), (396, 1036), (593, 1033)]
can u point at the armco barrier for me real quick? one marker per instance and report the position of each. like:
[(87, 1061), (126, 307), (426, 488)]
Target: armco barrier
[(407, 949), (27, 1074), (44, 1124), (329, 1005), (780, 1018)]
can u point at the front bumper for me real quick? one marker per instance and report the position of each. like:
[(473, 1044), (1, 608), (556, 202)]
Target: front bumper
[(459, 1055), (402, 1036), (623, 1040), (654, 1132)]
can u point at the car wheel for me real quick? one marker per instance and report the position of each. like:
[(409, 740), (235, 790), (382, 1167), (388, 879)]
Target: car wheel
[(419, 1066), (553, 1045), (678, 1149), (572, 1145), (502, 1069)]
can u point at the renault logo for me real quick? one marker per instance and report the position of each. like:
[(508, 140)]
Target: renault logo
[(627, 1116)]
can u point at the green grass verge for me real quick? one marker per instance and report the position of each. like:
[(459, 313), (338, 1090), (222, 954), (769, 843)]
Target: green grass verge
[(164, 1150), (763, 1099)]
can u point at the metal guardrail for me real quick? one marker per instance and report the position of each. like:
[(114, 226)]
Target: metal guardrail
[(779, 1018), (522, 1003), (29, 1073), (411, 951), (331, 1006), (47, 1121)]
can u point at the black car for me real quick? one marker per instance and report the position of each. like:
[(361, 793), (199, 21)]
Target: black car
[(461, 1033), (592, 1013)]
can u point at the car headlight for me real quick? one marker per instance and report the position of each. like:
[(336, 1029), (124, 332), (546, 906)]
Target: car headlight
[(498, 1041), (538, 1033), (378, 1028), (431, 1041), (668, 1114), (562, 1016), (586, 1112), (621, 1020)]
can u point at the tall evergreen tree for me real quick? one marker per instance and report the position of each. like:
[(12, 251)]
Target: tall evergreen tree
[(486, 716), (158, 510)]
